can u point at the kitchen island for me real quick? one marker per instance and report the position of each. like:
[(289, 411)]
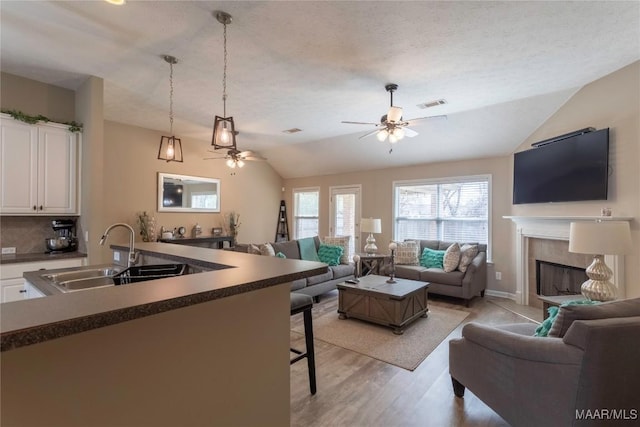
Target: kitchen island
[(203, 349)]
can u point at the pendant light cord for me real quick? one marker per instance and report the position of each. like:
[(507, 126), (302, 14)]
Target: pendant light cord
[(171, 98), (224, 75)]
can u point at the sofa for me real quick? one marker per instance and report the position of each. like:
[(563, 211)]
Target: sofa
[(585, 372), (460, 284), (316, 285)]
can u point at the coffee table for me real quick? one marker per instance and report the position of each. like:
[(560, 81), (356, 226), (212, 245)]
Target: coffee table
[(390, 304)]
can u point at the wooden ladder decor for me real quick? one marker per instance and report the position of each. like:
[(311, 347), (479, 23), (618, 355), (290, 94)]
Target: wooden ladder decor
[(282, 228)]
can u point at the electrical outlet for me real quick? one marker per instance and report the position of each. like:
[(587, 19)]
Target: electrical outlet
[(116, 256), (8, 251), (498, 275)]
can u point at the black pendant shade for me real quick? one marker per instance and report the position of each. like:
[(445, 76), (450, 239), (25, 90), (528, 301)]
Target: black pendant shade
[(224, 133), (170, 149)]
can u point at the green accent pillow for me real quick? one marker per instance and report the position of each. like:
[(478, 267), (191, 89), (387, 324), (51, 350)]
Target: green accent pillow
[(330, 254), (280, 255), (432, 258), (307, 247), (545, 326)]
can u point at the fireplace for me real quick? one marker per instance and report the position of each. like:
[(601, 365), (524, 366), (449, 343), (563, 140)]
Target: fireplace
[(531, 230), (558, 279)]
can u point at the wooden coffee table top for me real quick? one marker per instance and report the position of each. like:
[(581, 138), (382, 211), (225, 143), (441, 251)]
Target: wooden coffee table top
[(378, 284)]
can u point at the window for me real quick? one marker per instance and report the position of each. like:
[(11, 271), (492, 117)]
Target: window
[(306, 205), (204, 200), (452, 209)]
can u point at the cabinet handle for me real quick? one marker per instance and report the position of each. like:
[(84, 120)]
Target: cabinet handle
[(34, 207), (23, 291), (40, 207)]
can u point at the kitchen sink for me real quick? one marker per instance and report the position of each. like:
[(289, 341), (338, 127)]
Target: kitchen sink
[(78, 280)]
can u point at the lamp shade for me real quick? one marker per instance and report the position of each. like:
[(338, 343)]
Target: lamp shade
[(600, 238), (370, 225)]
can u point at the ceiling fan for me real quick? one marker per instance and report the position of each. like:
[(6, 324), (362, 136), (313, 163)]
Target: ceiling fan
[(392, 126), (235, 158)]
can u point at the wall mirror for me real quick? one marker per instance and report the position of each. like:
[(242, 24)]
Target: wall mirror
[(183, 193)]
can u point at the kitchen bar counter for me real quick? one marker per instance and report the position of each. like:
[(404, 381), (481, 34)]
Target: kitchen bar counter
[(203, 349), (37, 320)]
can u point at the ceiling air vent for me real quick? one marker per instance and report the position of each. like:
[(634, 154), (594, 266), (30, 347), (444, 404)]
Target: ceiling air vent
[(292, 130), (432, 103)]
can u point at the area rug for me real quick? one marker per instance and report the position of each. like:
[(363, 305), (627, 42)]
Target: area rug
[(407, 351)]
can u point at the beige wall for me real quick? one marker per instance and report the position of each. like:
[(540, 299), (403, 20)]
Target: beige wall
[(613, 102), (34, 98), (377, 199), (130, 184)]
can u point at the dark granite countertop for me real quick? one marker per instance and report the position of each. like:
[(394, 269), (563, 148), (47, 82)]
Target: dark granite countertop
[(39, 256), (37, 320)]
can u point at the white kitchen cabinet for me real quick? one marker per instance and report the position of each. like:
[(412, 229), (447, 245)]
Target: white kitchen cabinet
[(14, 287), (38, 168)]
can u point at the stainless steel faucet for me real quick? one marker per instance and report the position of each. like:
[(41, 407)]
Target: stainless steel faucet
[(131, 260)]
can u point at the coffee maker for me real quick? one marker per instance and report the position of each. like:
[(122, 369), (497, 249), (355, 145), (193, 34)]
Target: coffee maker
[(65, 239)]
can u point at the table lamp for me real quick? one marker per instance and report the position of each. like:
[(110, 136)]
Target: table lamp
[(370, 225), (599, 238)]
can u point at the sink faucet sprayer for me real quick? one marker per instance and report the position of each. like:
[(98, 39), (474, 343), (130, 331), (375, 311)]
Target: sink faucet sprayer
[(132, 255)]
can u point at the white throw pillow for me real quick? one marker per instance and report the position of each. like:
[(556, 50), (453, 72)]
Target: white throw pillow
[(407, 253), (467, 254), (267, 249), (342, 241), (254, 249), (451, 258)]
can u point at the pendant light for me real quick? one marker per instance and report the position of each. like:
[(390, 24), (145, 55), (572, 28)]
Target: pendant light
[(224, 132), (170, 146)]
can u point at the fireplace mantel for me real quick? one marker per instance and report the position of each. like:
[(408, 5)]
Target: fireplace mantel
[(555, 228)]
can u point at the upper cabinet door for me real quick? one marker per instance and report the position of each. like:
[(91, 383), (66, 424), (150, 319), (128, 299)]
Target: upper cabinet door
[(56, 171), (38, 169), (18, 167)]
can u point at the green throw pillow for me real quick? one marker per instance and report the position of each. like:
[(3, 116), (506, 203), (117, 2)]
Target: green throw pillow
[(432, 258), (330, 254), (545, 327), (280, 255)]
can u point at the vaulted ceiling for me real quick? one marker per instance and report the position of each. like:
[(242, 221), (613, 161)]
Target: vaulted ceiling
[(502, 67)]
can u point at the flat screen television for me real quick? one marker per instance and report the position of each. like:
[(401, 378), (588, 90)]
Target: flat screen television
[(569, 170)]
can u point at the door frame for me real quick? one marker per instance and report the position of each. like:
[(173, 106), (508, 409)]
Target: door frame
[(347, 189)]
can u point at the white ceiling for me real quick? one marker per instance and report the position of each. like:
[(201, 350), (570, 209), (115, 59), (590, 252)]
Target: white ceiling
[(503, 67)]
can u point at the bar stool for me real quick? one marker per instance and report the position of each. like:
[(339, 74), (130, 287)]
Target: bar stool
[(303, 303)]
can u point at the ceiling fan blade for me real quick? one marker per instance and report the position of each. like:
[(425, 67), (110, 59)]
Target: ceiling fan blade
[(443, 117), (369, 134), (361, 123), (410, 132)]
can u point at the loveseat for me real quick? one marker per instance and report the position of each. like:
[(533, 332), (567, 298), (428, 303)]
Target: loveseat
[(585, 372), (461, 284), (316, 285)]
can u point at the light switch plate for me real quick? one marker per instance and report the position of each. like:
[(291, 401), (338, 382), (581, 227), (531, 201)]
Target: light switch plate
[(8, 251)]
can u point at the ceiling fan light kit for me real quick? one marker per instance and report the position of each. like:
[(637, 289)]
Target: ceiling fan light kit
[(224, 131), (170, 148)]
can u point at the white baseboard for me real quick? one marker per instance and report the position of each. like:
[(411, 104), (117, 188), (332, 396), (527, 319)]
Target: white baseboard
[(500, 294)]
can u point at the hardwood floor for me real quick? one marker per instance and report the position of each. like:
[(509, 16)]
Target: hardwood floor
[(356, 390)]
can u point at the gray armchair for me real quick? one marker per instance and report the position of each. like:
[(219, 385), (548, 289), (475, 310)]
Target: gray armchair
[(565, 380)]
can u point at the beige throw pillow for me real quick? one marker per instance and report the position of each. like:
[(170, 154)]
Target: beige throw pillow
[(451, 258), (467, 254), (254, 249), (408, 253), (267, 249), (342, 241)]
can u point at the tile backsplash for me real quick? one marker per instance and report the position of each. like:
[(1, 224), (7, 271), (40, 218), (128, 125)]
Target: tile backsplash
[(28, 233)]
